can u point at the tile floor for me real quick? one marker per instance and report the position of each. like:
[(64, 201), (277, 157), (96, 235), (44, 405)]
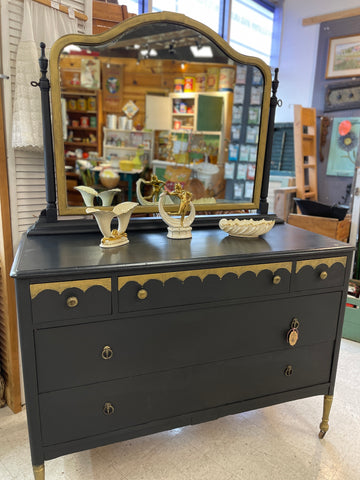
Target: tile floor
[(274, 443)]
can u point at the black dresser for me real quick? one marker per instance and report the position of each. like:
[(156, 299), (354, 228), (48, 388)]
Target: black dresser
[(163, 333)]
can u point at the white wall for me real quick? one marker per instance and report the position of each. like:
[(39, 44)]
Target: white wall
[(298, 51)]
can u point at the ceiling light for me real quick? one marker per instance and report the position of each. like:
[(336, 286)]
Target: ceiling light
[(172, 48), (204, 52)]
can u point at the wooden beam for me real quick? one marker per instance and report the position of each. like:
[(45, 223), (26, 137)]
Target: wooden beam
[(352, 12), (9, 354), (62, 8)]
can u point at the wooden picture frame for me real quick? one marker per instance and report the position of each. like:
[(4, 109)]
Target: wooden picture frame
[(343, 57)]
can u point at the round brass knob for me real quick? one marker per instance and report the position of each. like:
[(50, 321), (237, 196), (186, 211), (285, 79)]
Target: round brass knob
[(72, 302), (142, 294), (108, 409), (288, 371), (107, 353), (323, 275), (276, 279)]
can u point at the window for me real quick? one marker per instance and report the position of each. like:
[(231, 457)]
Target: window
[(251, 28), (205, 11), (133, 6), (251, 22)]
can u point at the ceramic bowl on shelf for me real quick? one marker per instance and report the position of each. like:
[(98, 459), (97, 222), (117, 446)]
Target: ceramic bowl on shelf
[(246, 228)]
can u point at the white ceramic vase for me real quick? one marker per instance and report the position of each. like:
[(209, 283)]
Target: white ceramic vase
[(116, 237)]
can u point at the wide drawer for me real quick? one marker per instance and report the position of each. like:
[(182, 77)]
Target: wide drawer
[(99, 408), (89, 353), (319, 273), (70, 300), (169, 289)]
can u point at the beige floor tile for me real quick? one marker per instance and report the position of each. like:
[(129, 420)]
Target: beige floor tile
[(275, 443)]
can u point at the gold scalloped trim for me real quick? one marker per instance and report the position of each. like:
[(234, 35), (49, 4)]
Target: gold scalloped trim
[(203, 273), (321, 261), (59, 287)]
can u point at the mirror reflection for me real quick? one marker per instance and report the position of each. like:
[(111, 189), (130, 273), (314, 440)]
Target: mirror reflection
[(159, 104)]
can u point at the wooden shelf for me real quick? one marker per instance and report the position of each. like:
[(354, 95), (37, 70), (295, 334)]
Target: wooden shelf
[(81, 144), (83, 112), (126, 148), (87, 129)]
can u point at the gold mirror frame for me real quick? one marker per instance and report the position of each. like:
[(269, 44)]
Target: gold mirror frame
[(110, 35)]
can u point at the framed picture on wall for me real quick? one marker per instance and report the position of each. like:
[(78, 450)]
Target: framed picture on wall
[(344, 145), (343, 57)]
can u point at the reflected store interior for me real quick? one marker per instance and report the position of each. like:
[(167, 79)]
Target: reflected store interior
[(157, 105)]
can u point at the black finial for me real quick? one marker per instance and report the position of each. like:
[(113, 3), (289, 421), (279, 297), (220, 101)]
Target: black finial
[(43, 61), (275, 82)]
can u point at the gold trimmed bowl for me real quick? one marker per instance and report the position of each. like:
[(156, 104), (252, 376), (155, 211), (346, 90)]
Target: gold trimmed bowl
[(247, 227)]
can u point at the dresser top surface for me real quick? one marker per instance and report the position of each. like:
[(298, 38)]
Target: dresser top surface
[(79, 254)]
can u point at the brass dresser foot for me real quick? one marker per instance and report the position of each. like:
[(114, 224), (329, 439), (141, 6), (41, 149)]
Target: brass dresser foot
[(39, 472), (324, 425)]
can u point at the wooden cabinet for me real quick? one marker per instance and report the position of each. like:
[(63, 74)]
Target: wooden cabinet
[(83, 120), (103, 363)]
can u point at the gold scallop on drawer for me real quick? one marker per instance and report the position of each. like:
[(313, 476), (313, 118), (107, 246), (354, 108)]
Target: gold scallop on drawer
[(317, 273), (73, 299), (169, 289)]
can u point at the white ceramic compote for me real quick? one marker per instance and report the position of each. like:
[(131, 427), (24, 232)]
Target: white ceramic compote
[(178, 228), (116, 237)]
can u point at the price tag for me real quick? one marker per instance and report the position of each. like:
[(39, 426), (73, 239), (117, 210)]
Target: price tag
[(71, 12), (55, 5)]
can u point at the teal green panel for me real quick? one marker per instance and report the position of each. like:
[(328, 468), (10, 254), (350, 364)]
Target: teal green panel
[(209, 113)]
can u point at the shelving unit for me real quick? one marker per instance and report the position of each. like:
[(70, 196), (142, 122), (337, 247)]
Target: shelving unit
[(198, 111), (88, 138), (195, 115), (123, 145)]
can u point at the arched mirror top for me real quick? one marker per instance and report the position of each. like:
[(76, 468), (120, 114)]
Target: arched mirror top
[(158, 99)]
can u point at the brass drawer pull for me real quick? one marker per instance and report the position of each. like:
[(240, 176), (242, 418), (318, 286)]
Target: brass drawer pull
[(72, 302), (288, 371), (293, 333), (323, 275), (276, 279), (108, 409), (107, 353), (142, 294)]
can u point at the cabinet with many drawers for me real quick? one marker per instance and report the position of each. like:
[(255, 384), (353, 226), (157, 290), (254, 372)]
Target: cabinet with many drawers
[(162, 333)]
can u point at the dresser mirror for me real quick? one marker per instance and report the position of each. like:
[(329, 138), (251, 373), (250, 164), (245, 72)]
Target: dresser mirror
[(157, 100)]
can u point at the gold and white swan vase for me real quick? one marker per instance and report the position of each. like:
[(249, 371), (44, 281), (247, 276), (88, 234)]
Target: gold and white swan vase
[(115, 237)]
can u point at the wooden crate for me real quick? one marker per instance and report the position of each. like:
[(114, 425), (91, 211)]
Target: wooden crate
[(330, 227), (107, 15)]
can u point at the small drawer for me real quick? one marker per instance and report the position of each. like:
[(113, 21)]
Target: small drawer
[(169, 289), (107, 350), (318, 273), (68, 300), (99, 408)]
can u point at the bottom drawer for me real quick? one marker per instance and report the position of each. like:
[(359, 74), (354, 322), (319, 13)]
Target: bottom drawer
[(99, 408)]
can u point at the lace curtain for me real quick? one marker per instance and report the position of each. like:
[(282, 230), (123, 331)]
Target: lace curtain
[(40, 24)]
